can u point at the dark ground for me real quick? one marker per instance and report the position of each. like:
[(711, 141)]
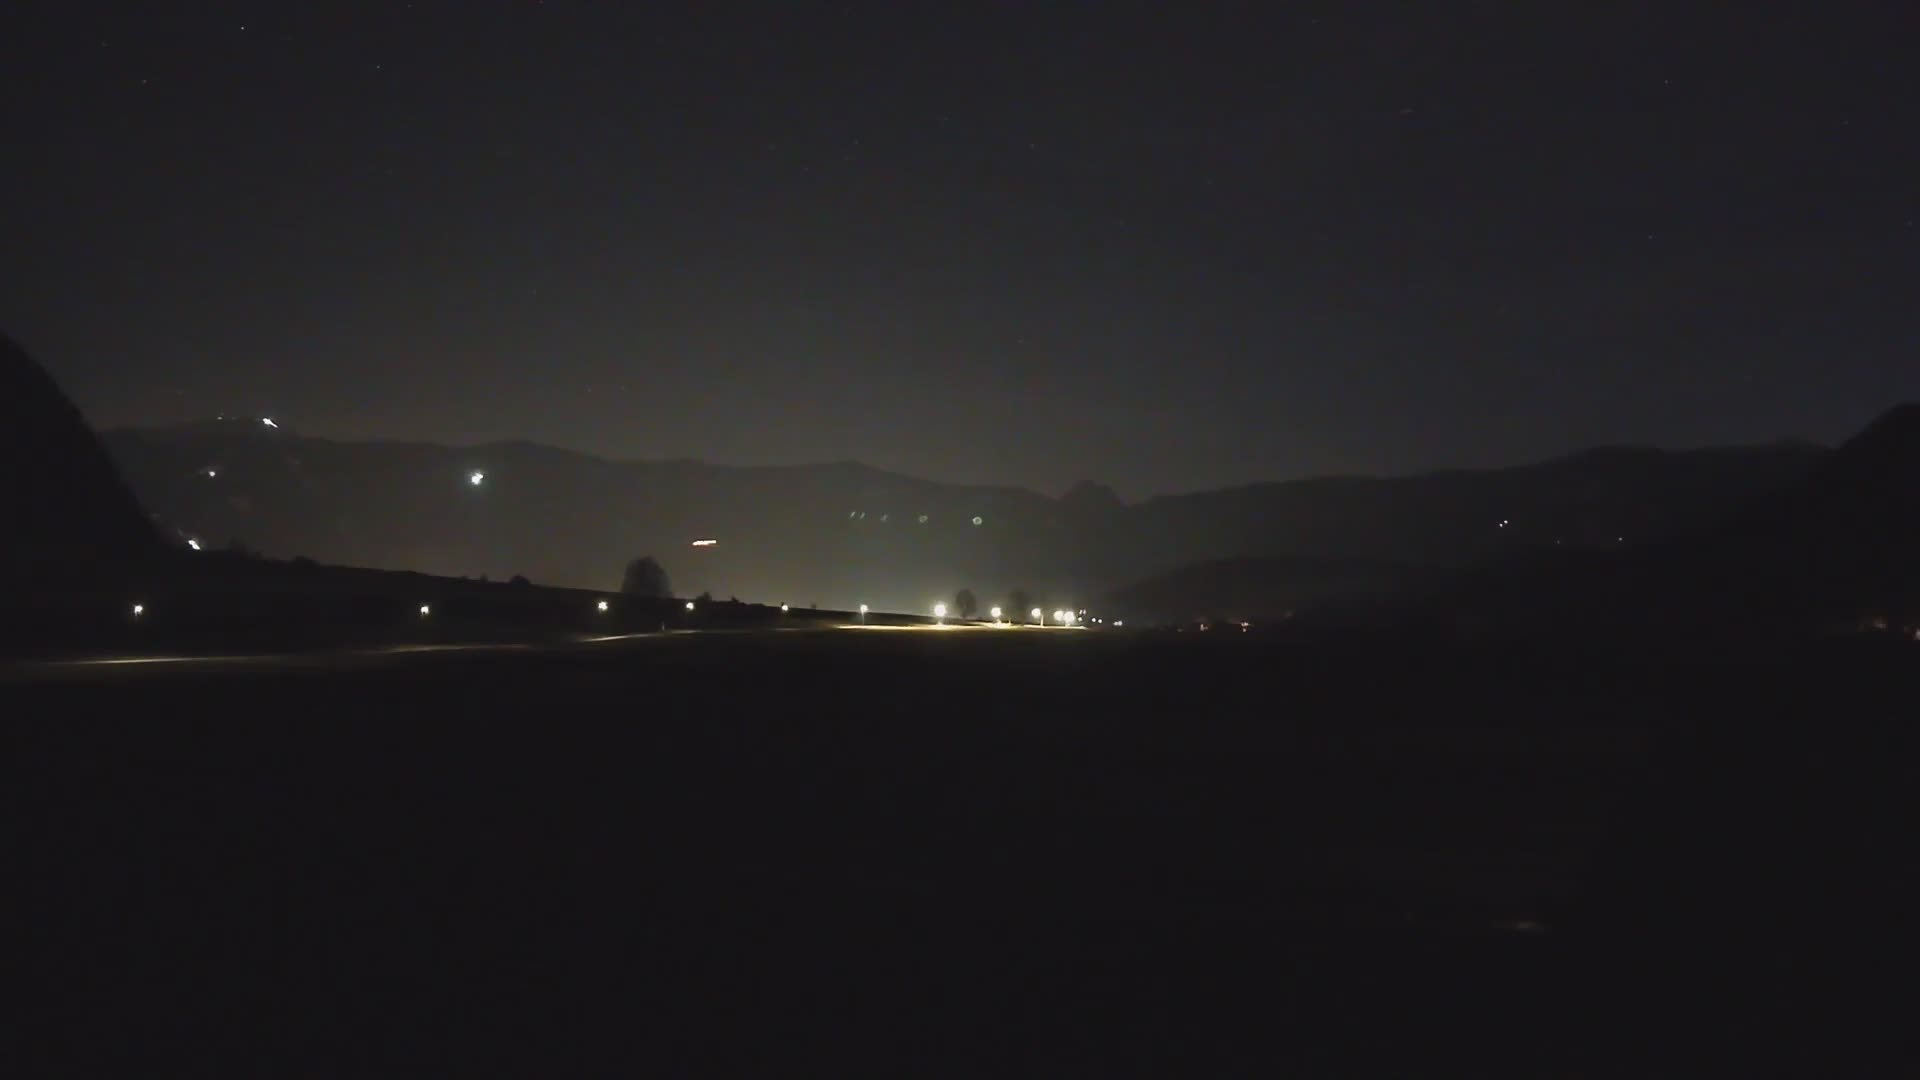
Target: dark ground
[(960, 853)]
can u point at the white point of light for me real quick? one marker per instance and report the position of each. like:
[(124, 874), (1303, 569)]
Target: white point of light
[(1118, 623), (863, 609), (995, 612), (1035, 613), (939, 611), (268, 420), (978, 520), (476, 478), (211, 473), (689, 605), (194, 544), (601, 606), (784, 609), (923, 519), (426, 609), (139, 610), (703, 542)]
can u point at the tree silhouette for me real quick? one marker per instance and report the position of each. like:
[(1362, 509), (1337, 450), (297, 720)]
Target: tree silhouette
[(965, 603), (645, 577), (1022, 602)]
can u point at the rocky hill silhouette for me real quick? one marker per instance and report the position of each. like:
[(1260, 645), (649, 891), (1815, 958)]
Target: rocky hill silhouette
[(72, 525)]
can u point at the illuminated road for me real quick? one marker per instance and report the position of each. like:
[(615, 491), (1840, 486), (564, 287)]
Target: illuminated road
[(389, 655)]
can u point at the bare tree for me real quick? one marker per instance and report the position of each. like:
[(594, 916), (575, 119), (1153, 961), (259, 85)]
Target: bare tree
[(966, 603)]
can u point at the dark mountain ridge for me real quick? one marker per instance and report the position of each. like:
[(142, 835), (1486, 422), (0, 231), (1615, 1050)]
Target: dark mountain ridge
[(844, 533), (1831, 552)]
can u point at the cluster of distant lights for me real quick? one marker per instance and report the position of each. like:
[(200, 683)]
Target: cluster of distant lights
[(861, 515)]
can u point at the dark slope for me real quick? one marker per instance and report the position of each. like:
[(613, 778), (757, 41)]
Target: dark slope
[(1844, 544), (72, 525)]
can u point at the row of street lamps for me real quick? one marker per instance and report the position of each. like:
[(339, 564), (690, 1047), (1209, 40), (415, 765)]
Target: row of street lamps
[(1060, 618)]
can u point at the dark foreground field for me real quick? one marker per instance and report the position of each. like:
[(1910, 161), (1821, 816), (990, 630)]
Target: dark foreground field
[(961, 853)]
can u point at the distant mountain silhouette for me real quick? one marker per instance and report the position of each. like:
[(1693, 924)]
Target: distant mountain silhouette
[(844, 533), (1357, 541), (71, 523), (1834, 551)]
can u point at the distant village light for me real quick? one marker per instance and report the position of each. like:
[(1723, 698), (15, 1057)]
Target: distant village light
[(703, 542)]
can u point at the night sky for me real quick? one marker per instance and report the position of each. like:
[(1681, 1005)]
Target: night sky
[(1165, 247)]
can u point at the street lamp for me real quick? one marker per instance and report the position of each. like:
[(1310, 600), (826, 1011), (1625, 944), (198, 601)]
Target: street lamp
[(995, 613), (784, 609), (426, 610), (601, 606), (139, 610), (939, 612), (689, 605), (1038, 617), (863, 613)]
